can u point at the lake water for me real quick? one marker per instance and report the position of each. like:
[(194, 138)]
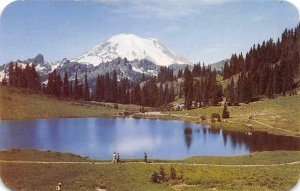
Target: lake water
[(98, 138)]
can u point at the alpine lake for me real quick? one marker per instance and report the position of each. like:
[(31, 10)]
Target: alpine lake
[(98, 138)]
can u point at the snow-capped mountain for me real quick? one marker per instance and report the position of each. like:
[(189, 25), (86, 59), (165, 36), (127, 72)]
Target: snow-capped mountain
[(129, 55), (133, 48)]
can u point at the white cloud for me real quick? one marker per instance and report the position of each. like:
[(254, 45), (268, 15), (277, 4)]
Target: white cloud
[(296, 3), (172, 28), (3, 5), (162, 9), (257, 18)]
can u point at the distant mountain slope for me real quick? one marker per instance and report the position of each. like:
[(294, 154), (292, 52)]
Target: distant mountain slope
[(41, 66), (219, 66)]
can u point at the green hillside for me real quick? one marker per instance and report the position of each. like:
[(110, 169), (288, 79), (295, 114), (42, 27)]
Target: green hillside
[(282, 113), (25, 104)]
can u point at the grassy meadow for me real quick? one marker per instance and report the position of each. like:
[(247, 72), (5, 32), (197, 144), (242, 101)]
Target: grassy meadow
[(25, 104), (137, 176), (282, 113)]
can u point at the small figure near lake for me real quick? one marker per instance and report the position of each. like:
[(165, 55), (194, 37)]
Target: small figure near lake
[(145, 157), (118, 157), (58, 187), (114, 158)]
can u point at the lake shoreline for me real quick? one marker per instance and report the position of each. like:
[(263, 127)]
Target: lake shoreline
[(218, 125), (30, 154), (276, 170), (37, 106), (225, 125)]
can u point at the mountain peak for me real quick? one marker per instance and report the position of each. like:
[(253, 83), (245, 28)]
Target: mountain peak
[(132, 47), (39, 58)]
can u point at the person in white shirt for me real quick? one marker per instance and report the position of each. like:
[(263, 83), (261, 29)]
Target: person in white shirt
[(114, 158), (58, 187)]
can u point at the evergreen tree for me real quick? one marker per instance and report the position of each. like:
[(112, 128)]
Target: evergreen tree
[(218, 95), (188, 88), (66, 88), (172, 93), (11, 74), (76, 87), (71, 91), (4, 80), (86, 92), (114, 87), (136, 95), (225, 113)]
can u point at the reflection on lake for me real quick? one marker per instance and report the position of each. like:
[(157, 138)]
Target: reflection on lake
[(99, 137)]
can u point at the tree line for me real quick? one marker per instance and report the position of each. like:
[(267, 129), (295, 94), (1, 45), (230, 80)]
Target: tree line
[(109, 89), (201, 87), (19, 77), (65, 88), (267, 70), (145, 92)]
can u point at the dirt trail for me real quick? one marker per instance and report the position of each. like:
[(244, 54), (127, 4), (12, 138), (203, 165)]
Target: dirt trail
[(158, 163)]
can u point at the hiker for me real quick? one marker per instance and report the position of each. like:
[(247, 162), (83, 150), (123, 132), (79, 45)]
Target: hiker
[(118, 157), (145, 157), (58, 187), (114, 158)]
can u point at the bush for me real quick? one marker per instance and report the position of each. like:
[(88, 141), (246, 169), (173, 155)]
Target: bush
[(155, 177), (173, 173), (225, 113), (215, 116), (162, 174), (116, 106), (181, 175), (203, 117), (142, 109)]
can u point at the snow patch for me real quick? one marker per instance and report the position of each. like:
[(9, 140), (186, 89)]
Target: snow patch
[(137, 69), (2, 74)]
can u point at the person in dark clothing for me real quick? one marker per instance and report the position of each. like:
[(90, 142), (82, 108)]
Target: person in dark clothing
[(118, 157), (145, 157)]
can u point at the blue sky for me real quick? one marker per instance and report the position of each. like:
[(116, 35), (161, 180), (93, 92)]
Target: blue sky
[(200, 30)]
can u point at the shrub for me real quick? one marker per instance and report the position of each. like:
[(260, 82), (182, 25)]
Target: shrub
[(142, 109), (116, 106), (181, 175), (215, 116), (155, 177), (162, 174), (225, 113), (203, 117), (172, 173)]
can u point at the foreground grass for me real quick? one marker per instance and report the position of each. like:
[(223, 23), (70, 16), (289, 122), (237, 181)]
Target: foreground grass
[(136, 176), (283, 112), (24, 104)]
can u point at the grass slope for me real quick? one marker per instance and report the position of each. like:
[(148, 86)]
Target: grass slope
[(24, 104), (282, 112), (136, 176)]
